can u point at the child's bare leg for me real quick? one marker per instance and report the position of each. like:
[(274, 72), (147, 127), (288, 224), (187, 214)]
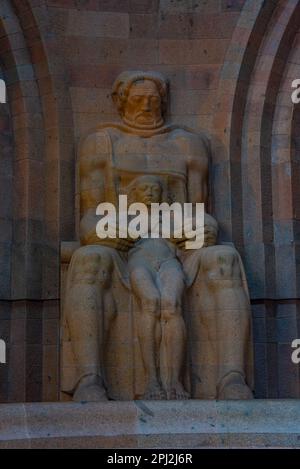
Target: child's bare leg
[(173, 329), (149, 329)]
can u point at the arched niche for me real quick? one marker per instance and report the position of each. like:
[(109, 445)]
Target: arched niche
[(255, 165), (40, 189)]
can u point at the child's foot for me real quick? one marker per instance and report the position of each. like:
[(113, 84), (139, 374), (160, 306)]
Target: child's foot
[(90, 389), (154, 392), (233, 386), (176, 391)]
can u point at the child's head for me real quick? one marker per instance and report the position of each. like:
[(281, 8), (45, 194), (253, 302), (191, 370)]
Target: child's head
[(146, 189), (210, 230)]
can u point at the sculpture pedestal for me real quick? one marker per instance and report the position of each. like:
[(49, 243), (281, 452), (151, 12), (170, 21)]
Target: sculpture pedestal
[(152, 424)]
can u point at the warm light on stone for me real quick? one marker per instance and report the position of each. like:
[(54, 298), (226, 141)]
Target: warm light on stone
[(159, 284), (178, 101)]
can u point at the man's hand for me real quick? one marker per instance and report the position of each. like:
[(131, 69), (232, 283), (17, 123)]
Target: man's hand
[(88, 234), (180, 242)]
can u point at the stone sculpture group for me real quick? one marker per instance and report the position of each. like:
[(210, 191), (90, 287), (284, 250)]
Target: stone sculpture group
[(148, 319)]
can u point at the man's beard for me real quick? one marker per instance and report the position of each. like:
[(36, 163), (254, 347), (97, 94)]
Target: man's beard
[(145, 118), (147, 123)]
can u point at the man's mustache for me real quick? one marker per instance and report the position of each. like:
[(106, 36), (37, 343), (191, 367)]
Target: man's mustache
[(144, 113)]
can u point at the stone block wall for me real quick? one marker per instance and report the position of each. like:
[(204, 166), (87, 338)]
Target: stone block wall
[(230, 64)]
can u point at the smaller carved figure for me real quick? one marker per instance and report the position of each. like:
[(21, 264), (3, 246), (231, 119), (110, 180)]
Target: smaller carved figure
[(157, 281), (223, 274)]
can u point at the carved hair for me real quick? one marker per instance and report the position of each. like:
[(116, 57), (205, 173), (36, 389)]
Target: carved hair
[(211, 221), (125, 80)]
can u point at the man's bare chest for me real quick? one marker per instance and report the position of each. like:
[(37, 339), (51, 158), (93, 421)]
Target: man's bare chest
[(154, 154)]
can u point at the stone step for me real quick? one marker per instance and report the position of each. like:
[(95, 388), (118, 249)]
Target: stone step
[(152, 424)]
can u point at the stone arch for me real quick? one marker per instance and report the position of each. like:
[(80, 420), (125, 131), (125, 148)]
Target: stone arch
[(6, 174), (42, 159), (255, 154)]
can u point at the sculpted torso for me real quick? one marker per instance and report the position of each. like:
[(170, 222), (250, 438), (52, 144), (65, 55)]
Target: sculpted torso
[(178, 156), (145, 153), (169, 153)]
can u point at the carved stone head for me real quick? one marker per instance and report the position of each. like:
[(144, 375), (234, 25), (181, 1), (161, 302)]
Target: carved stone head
[(146, 189), (141, 98)]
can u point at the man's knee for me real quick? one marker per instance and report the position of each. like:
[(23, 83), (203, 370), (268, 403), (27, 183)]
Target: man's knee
[(170, 308), (151, 304), (91, 264)]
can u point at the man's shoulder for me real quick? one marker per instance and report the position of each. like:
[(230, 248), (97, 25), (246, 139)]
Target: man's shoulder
[(102, 131), (192, 144), (98, 138), (189, 136)]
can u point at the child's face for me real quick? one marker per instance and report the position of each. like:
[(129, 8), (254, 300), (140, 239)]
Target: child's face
[(148, 192)]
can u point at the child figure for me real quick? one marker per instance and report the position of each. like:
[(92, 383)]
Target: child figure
[(221, 270), (158, 282)]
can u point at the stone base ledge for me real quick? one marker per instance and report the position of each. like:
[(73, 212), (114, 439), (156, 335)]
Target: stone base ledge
[(152, 424)]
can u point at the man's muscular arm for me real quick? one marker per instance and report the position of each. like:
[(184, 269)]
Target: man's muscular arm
[(198, 170), (94, 158), (197, 173), (88, 234), (91, 168)]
